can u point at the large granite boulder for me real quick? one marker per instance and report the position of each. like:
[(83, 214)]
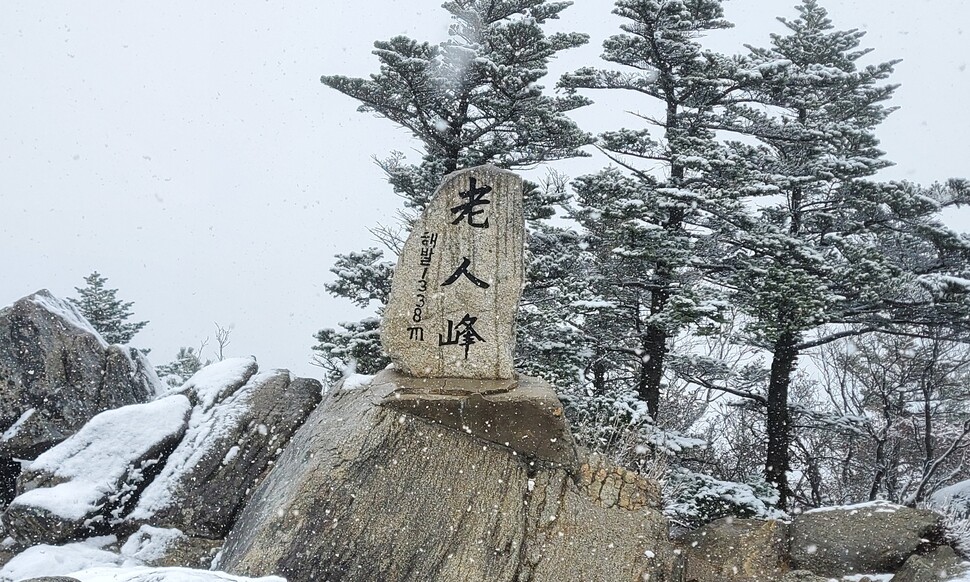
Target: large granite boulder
[(870, 537), (455, 294), (240, 423), (56, 373), (732, 549), (366, 492), (87, 483)]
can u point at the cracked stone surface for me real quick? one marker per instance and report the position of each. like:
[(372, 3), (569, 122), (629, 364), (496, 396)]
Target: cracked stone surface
[(614, 486), (456, 288), (736, 550), (364, 492)]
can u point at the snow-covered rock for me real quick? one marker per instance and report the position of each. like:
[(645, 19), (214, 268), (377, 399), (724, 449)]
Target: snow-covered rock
[(155, 546), (857, 539), (144, 574), (215, 382), (188, 460), (240, 423), (56, 373), (93, 561), (47, 560), (91, 480)]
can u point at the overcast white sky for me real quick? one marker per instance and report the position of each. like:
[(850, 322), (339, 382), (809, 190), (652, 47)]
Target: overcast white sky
[(188, 152)]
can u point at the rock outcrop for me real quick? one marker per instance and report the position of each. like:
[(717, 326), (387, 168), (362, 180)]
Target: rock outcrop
[(56, 373), (189, 460), (368, 492), (732, 549), (161, 547), (941, 563), (239, 424)]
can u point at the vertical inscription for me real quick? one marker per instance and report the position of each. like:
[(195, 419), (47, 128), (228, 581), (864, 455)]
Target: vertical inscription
[(463, 333), (428, 242)]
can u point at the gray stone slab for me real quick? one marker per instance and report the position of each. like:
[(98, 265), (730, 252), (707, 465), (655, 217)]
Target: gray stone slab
[(524, 415), (456, 289)]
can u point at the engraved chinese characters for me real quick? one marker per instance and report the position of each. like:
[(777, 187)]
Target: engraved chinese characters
[(451, 312)]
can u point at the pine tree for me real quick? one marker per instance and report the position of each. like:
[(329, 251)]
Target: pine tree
[(821, 261), (471, 99), (641, 225), (106, 313)]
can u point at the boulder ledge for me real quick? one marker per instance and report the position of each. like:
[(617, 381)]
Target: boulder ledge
[(366, 492)]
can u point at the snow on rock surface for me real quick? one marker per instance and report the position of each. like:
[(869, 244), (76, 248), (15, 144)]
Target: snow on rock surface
[(67, 312), (240, 423), (149, 544), (44, 560), (89, 561), (92, 478), (879, 506), (217, 381), (355, 381)]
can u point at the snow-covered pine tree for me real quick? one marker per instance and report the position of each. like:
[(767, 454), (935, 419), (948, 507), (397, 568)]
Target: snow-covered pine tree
[(640, 224), (108, 314), (820, 260), (472, 99)]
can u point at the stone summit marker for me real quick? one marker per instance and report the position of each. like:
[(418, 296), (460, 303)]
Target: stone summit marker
[(456, 289)]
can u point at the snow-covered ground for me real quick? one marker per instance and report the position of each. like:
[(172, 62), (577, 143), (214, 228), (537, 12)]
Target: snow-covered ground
[(91, 561)]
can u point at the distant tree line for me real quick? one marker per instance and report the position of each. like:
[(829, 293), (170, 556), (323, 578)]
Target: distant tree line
[(736, 292)]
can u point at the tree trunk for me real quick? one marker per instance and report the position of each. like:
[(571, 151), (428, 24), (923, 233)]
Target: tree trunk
[(651, 368), (599, 376), (779, 421), (880, 464)]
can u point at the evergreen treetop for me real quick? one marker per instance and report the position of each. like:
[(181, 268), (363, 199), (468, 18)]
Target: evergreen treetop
[(474, 98), (108, 314)]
